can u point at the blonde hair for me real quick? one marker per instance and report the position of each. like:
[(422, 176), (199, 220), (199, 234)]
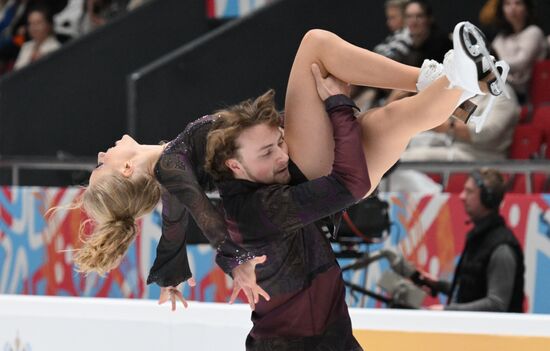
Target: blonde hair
[(222, 138), (113, 203)]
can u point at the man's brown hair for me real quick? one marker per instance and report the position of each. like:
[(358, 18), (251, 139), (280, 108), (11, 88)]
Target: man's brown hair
[(231, 122), (492, 186)]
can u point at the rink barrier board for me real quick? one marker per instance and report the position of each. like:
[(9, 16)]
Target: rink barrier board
[(63, 323)]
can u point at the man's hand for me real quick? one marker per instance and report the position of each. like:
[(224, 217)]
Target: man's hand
[(244, 278), (329, 86), (172, 293), (443, 127)]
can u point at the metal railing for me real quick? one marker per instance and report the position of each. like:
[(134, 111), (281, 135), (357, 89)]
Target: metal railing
[(16, 164), (445, 168)]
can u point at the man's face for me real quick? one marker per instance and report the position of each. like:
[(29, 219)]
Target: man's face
[(262, 156), (470, 196)]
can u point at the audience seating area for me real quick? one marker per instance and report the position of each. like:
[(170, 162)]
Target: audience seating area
[(531, 139)]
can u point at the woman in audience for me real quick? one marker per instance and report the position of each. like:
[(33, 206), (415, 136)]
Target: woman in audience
[(43, 40), (519, 42)]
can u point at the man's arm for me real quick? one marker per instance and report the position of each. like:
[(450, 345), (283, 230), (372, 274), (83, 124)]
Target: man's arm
[(349, 159), (500, 284)]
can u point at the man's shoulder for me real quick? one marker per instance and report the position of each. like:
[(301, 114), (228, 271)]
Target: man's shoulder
[(502, 235)]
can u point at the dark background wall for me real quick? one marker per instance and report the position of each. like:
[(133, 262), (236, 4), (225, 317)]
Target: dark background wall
[(76, 100)]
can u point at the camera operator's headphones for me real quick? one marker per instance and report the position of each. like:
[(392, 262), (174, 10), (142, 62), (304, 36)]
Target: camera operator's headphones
[(489, 198)]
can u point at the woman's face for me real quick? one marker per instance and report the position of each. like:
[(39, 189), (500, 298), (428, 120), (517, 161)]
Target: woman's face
[(417, 20), (116, 158), (515, 12), (39, 28)]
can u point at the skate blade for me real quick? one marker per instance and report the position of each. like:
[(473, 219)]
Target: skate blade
[(480, 48), (494, 87), (479, 120)]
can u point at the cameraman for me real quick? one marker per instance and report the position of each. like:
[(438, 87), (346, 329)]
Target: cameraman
[(489, 274)]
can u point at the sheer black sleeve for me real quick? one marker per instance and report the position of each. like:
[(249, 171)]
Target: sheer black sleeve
[(183, 195)]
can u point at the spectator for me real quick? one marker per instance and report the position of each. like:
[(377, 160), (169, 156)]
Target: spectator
[(67, 20), (487, 19), (12, 31), (397, 44), (488, 13), (428, 42), (457, 141), (133, 4), (519, 42), (8, 11), (99, 12), (490, 273), (43, 40)]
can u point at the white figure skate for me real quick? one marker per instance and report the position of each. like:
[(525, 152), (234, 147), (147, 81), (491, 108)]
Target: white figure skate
[(469, 63)]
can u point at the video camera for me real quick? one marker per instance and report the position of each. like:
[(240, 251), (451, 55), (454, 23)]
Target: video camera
[(406, 286), (367, 221)]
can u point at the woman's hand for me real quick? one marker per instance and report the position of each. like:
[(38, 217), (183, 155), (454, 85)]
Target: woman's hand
[(171, 293), (244, 278), (329, 86)]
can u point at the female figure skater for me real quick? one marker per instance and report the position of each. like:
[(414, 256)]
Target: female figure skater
[(131, 177), (128, 182)]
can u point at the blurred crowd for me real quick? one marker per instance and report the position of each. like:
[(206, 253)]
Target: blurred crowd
[(31, 29), (515, 127)]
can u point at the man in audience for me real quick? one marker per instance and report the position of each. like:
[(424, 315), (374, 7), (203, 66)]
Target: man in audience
[(98, 12), (456, 141), (427, 40), (397, 44), (490, 273)]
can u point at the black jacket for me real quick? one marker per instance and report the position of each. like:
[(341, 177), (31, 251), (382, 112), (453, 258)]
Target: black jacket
[(470, 279)]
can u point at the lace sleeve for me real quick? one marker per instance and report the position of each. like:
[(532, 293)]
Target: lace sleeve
[(183, 196), (171, 266)]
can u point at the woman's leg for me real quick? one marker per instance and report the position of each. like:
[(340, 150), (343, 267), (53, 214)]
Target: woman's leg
[(388, 130), (308, 131)]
